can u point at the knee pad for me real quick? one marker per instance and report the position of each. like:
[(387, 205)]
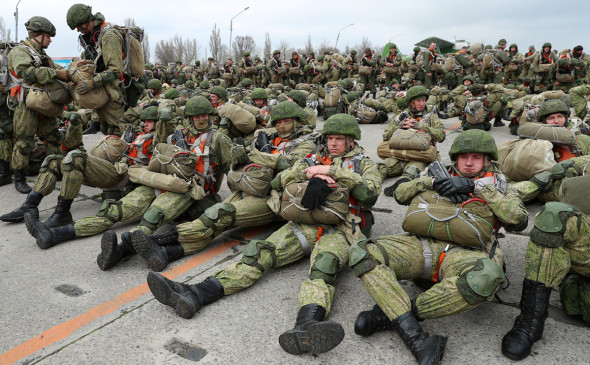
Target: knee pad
[(361, 260), (111, 209), (25, 146), (251, 254), (50, 164), (481, 281), (412, 171), (215, 213), (74, 160), (152, 218), (325, 267), (550, 224)]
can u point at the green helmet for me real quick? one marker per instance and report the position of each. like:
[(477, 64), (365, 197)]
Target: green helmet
[(306, 68), (246, 54), (488, 46), (78, 14), (198, 105), (190, 84), (149, 113), (41, 25), (174, 81), (204, 85), (284, 110), (551, 107), (345, 83), (546, 44), (470, 78), (259, 93), (298, 96), (246, 82), (171, 94), (416, 92), (294, 53), (514, 45), (276, 51), (392, 46), (154, 84), (342, 124), (474, 141), (353, 95), (353, 52), (502, 42), (416, 49), (219, 91)]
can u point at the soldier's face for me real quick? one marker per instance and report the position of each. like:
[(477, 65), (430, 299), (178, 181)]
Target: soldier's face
[(466, 82), (285, 127), (214, 99), (337, 144), (259, 102), (200, 121), (546, 49), (44, 40), (470, 164), (418, 104), (432, 46), (556, 119), (148, 125), (85, 28)]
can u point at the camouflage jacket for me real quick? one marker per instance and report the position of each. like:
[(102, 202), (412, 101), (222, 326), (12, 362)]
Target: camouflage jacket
[(32, 64), (428, 121), (506, 206), (288, 150), (579, 95)]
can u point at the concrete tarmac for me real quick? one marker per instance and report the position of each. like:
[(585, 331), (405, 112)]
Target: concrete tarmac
[(58, 307)]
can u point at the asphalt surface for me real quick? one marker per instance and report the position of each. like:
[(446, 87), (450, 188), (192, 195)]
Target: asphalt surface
[(58, 307)]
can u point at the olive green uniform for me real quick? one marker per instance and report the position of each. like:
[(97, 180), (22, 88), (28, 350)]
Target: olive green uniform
[(381, 262), (369, 80), (578, 97), (543, 79)]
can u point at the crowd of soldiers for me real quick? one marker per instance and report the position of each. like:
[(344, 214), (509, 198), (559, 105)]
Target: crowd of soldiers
[(173, 135)]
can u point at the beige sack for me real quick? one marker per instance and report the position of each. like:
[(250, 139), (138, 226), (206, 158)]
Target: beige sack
[(365, 70), (251, 179), (332, 97), (241, 118), (547, 132), (38, 99), (94, 99), (410, 139), (522, 159), (173, 160), (109, 148), (141, 175), (333, 212), (427, 156)]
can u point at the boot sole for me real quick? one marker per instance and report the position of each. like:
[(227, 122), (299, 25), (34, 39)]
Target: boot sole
[(163, 292), (105, 259), (142, 246), (319, 338), (30, 228), (34, 228)]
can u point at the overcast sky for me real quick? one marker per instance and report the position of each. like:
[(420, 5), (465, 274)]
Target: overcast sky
[(522, 22)]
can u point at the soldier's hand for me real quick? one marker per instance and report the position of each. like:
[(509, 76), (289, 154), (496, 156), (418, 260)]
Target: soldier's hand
[(455, 185), (542, 180), (63, 75), (75, 118), (84, 87)]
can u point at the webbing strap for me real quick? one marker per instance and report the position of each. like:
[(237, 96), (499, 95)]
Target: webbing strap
[(301, 237), (427, 253)]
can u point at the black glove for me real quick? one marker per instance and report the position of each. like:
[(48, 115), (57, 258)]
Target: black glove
[(239, 141), (316, 193), (454, 185), (459, 198)]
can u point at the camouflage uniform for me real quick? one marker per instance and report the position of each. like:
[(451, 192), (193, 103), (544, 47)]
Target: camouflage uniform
[(544, 79), (516, 59), (298, 62), (429, 122), (578, 96), (369, 59), (527, 74), (394, 62)]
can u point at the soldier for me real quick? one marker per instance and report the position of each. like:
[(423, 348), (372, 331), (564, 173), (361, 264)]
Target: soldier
[(247, 66), (415, 117), (466, 272), (213, 151), (260, 98), (103, 44), (351, 63), (460, 95), (288, 141), (230, 73), (392, 65), (556, 257), (499, 61), (368, 79), (28, 64), (429, 57), (512, 70), (579, 96), (334, 163), (296, 62), (582, 67), (461, 67), (527, 75), (212, 70), (276, 70), (543, 67)]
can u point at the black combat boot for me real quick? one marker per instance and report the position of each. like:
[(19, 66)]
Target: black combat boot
[(498, 122), (61, 216), (157, 250), (185, 299), (427, 349), (528, 326), (49, 237), (29, 206), (20, 182), (93, 128), (390, 190), (369, 322), (312, 333), (111, 252), (5, 174)]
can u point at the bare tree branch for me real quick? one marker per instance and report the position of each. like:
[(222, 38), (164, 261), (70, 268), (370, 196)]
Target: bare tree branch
[(267, 45), (215, 45), (4, 32), (243, 44)]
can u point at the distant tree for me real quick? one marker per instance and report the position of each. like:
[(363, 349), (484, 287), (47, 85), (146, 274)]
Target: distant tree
[(145, 44), (284, 48), (178, 45), (165, 52), (129, 22), (308, 45), (215, 45), (191, 51), (4, 31), (243, 44), (366, 43), (267, 46), (323, 47)]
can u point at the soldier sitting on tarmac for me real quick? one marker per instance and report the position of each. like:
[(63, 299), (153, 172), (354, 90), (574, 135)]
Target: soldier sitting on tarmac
[(466, 266), (340, 161)]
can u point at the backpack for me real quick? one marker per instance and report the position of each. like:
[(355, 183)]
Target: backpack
[(133, 58), (5, 48)]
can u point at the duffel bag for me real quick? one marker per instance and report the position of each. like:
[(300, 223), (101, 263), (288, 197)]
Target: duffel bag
[(333, 212), (251, 179), (410, 139), (109, 148), (522, 159), (172, 183), (173, 160)]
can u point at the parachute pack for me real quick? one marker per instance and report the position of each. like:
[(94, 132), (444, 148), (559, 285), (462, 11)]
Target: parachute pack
[(5, 48), (133, 61)]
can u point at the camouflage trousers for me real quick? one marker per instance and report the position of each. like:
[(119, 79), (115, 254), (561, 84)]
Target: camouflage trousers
[(114, 108), (284, 247), (26, 124), (401, 257), (369, 82), (143, 202), (550, 265), (76, 168), (391, 167), (250, 211)]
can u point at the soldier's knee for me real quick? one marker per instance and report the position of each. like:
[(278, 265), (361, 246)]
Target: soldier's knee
[(50, 164), (213, 214), (25, 146), (252, 252), (74, 160), (325, 267), (412, 171), (111, 209), (361, 260), (550, 224), (482, 281), (55, 138), (153, 217)]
